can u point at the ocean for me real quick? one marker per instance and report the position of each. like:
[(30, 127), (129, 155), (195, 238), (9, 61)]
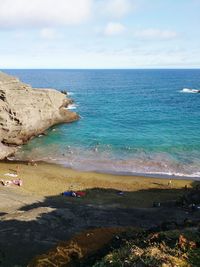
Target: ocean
[(143, 122)]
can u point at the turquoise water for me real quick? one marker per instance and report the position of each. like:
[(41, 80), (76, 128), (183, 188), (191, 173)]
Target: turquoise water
[(132, 121)]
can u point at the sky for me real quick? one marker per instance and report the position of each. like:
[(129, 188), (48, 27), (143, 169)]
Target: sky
[(99, 34)]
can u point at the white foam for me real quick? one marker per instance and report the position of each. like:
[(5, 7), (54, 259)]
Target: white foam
[(176, 174), (190, 91), (97, 159), (10, 158), (71, 106), (70, 93)]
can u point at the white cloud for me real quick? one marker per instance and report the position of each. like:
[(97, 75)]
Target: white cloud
[(43, 13), (114, 28), (48, 33), (117, 8), (64, 56), (156, 34)]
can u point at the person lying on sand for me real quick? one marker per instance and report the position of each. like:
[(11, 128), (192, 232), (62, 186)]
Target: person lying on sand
[(10, 182), (74, 193), (17, 182), (6, 183)]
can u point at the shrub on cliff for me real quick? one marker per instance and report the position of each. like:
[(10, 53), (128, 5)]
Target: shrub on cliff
[(170, 248)]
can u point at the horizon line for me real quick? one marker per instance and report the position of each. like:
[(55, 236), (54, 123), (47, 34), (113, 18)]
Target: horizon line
[(156, 68)]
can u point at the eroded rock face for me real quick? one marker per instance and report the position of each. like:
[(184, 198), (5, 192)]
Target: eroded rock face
[(26, 112)]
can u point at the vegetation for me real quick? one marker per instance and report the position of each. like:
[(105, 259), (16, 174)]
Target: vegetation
[(127, 248), (167, 249)]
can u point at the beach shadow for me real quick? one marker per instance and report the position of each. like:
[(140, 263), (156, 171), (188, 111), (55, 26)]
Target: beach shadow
[(159, 184), (2, 213), (34, 229)]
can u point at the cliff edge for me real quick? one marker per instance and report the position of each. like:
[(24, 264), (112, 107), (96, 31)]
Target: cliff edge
[(26, 112)]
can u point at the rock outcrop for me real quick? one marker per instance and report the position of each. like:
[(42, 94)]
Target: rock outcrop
[(26, 112)]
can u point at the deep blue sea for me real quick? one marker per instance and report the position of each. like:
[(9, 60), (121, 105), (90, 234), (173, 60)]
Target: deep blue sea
[(132, 121)]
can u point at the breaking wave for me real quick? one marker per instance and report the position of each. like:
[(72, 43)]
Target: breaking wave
[(107, 161), (71, 106), (190, 91), (70, 93)]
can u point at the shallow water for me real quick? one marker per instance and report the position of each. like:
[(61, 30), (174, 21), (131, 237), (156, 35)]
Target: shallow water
[(132, 121)]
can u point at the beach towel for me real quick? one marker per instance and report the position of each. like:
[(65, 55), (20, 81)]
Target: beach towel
[(74, 194), (80, 193), (68, 193), (11, 174)]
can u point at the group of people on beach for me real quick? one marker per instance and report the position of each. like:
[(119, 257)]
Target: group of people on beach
[(14, 181)]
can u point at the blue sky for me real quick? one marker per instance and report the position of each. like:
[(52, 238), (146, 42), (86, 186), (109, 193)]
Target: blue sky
[(99, 34)]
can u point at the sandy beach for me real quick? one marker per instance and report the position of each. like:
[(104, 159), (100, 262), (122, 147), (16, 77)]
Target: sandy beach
[(43, 180), (29, 213)]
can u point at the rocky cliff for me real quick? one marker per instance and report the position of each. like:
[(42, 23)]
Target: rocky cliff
[(26, 112)]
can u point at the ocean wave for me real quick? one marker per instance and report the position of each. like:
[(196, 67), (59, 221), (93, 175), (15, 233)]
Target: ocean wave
[(70, 93), (72, 106), (176, 174), (190, 91), (147, 164)]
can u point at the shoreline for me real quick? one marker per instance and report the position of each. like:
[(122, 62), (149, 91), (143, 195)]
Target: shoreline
[(117, 173), (45, 179)]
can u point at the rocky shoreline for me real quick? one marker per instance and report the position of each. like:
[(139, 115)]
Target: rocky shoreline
[(26, 112)]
